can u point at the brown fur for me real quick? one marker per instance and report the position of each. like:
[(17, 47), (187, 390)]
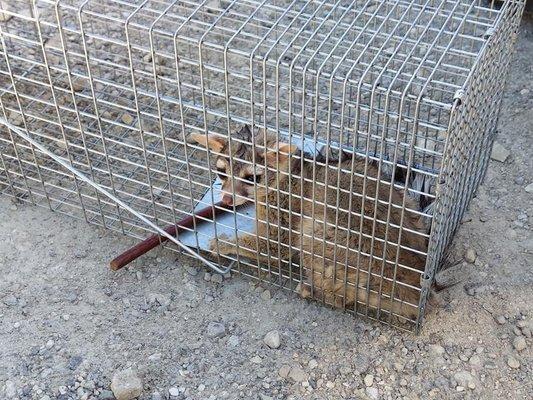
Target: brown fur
[(342, 277)]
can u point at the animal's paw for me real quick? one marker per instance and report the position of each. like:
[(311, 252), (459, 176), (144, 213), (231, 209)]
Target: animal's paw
[(219, 243), (303, 290)]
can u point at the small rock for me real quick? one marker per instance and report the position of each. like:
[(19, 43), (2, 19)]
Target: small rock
[(15, 118), (207, 277), (256, 360), (217, 278), (106, 395), (312, 364), (372, 392), (266, 295), (216, 329), (436, 349), (475, 360), (368, 380), (524, 91), (513, 362), (201, 387), (297, 374), (529, 188), (521, 324), (10, 389), (127, 119), (234, 341), (519, 343), (193, 271), (500, 319), (10, 300), (174, 392), (78, 85), (499, 153), (284, 371), (157, 396), (463, 378), (272, 339), (126, 385), (470, 256), (74, 362), (4, 17)]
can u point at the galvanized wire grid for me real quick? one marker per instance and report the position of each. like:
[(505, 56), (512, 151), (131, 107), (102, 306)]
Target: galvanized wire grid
[(115, 88)]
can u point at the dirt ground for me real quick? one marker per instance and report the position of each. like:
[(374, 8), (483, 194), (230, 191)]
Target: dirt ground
[(68, 323)]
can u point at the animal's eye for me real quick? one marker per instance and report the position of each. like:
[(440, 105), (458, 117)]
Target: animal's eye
[(221, 173), (252, 178)]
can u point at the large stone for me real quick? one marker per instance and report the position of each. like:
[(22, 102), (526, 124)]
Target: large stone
[(272, 339), (126, 385), (297, 374), (499, 153), (519, 343), (216, 330)]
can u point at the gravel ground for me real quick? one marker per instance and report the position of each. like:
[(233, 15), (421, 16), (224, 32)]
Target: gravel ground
[(70, 327)]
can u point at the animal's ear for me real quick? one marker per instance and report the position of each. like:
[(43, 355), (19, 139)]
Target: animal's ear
[(281, 154), (246, 131), (215, 143)]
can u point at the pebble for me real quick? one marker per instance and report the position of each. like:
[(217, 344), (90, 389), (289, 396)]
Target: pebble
[(499, 153), (524, 91), (10, 389), (436, 349), (463, 378), (234, 341), (470, 256), (10, 300), (256, 360), (500, 319), (193, 271), (312, 364), (15, 118), (529, 188), (519, 343), (174, 392), (513, 362), (127, 119), (372, 392), (4, 17), (106, 395), (284, 371), (201, 387), (266, 295), (216, 329), (297, 374), (78, 85), (157, 396), (272, 339), (368, 380), (217, 278), (207, 277), (475, 360), (126, 385)]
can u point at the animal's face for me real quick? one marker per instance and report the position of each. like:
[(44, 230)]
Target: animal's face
[(243, 173)]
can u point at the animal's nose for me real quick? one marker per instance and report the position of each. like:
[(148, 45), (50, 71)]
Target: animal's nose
[(227, 199)]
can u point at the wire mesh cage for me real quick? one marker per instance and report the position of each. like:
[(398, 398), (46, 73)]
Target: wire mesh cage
[(344, 138)]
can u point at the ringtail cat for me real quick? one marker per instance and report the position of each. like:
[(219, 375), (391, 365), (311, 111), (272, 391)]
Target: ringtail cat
[(322, 214)]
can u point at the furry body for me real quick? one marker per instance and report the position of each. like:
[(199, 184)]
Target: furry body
[(344, 257)]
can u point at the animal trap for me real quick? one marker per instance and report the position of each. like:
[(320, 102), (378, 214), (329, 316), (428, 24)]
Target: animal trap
[(353, 132)]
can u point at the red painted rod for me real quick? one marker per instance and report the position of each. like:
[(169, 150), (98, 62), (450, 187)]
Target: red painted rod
[(153, 241)]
